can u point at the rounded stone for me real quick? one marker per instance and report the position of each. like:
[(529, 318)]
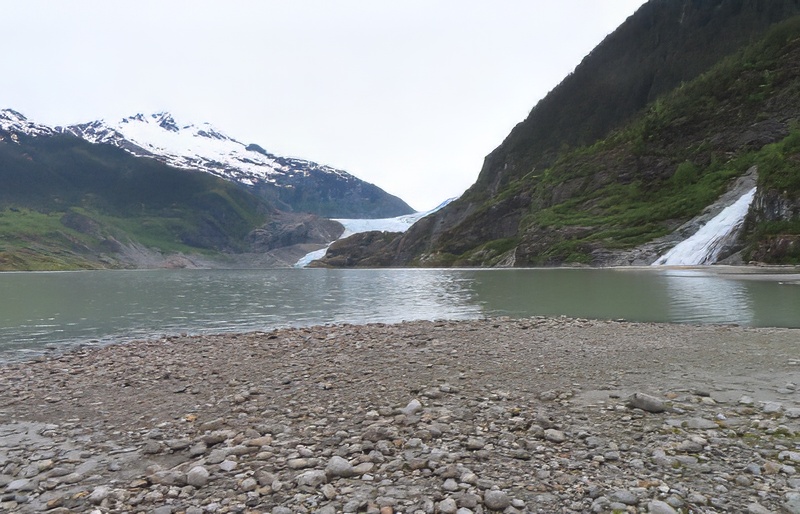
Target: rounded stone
[(659, 507), (99, 494), (197, 476), (646, 402), (22, 484), (339, 467), (624, 496), (413, 407), (554, 436), (450, 485), (228, 465), (447, 506), (496, 500), (475, 443), (313, 478), (248, 484)]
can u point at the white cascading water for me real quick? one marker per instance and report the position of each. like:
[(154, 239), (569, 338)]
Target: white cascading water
[(704, 246)]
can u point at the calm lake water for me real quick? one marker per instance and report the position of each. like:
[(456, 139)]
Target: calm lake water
[(41, 310)]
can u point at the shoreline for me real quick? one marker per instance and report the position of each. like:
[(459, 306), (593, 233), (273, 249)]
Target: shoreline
[(515, 415), (25, 340)]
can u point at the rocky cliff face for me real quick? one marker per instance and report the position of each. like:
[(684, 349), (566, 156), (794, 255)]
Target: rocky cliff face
[(775, 206), (289, 229), (771, 218), (652, 127)]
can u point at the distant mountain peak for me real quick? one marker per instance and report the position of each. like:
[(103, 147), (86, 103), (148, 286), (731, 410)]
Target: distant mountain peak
[(166, 121), (14, 121), (12, 115)]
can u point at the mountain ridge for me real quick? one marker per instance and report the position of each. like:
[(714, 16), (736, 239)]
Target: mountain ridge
[(292, 184)]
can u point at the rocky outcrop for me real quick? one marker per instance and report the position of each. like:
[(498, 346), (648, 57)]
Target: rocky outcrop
[(775, 206), (776, 249), (363, 250), (772, 218), (288, 229)]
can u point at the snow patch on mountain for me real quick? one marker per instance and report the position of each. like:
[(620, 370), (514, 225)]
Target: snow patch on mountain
[(14, 122), (197, 147), (290, 184)]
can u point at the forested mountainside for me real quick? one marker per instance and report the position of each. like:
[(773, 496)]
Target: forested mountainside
[(651, 128), (292, 185), (66, 204)]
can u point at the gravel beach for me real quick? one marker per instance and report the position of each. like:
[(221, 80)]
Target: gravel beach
[(499, 415)]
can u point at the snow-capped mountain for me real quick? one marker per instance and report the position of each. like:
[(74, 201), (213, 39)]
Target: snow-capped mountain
[(293, 184), (13, 122), (197, 147)]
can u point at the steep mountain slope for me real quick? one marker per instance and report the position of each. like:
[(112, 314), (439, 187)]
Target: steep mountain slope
[(291, 184), (66, 203), (609, 160), (664, 44)]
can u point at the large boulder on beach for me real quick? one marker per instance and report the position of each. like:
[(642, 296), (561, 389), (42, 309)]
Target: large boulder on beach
[(646, 402)]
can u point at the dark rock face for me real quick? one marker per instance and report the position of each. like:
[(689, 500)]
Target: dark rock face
[(81, 223), (651, 53), (317, 191), (288, 229), (777, 209), (775, 206), (367, 249), (778, 248)]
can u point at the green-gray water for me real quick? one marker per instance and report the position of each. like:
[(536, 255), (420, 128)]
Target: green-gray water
[(49, 310)]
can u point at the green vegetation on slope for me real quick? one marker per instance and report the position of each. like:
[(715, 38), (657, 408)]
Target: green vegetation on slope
[(665, 44), (64, 201), (662, 168)]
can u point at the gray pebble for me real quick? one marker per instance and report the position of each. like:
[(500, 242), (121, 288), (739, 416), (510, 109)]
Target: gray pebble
[(339, 467), (646, 402), (447, 506), (197, 476), (313, 478), (555, 436), (659, 507), (496, 500)]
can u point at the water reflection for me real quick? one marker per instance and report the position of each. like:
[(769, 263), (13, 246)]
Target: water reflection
[(37, 309), (586, 293), (697, 296)]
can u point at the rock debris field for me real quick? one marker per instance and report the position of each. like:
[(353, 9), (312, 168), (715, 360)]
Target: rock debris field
[(455, 417)]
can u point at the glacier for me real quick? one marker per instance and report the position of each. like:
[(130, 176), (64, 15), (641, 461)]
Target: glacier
[(705, 245), (357, 226)]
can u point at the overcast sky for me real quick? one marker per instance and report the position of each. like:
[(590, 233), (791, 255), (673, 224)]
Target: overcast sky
[(409, 95)]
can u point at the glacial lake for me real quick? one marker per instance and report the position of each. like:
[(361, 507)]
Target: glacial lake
[(41, 311)]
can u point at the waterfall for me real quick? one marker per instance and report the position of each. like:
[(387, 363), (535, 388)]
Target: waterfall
[(704, 246)]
